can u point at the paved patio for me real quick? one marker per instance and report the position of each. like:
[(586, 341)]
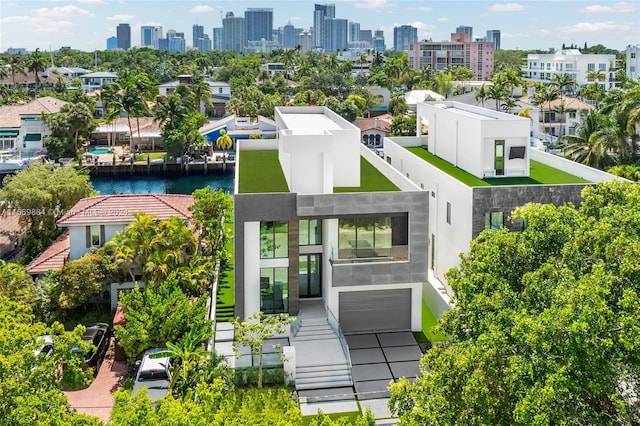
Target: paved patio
[(380, 358)]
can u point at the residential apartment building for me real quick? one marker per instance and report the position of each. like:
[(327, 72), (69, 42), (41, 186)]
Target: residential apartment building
[(174, 42), (404, 36), (354, 32), (123, 34), (305, 40), (217, 42), (366, 36), (150, 36), (633, 61), (335, 34), (320, 12), (258, 24), (542, 66), (378, 41), (476, 55), (289, 33), (112, 43), (233, 33), (201, 41)]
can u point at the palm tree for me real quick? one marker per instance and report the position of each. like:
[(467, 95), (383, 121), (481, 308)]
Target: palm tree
[(588, 145), (563, 82), (187, 353), (545, 95), (37, 63), (79, 118), (16, 66), (201, 93), (378, 59), (224, 142), (481, 94), (498, 93)]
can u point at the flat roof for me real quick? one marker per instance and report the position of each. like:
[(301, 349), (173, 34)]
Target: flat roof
[(309, 123), (470, 114), (539, 173)]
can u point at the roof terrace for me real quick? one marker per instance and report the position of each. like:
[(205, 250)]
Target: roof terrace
[(261, 172), (539, 174)]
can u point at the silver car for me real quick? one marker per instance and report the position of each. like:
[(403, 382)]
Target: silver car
[(154, 374)]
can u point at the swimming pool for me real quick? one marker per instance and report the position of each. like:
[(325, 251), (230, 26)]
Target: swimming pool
[(99, 151)]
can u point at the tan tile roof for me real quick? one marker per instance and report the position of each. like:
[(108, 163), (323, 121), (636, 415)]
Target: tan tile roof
[(370, 123), (53, 257), (30, 77), (569, 103), (10, 114), (10, 231), (146, 123), (121, 208)]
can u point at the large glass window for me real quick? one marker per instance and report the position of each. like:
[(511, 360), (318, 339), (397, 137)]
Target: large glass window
[(493, 220), (274, 290), (376, 238), (274, 241), (499, 157), (310, 232)]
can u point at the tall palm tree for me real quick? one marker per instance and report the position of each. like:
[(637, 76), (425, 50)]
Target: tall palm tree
[(563, 82), (16, 66), (37, 63), (188, 353), (545, 95), (79, 118), (588, 145), (224, 142), (499, 93), (481, 94)]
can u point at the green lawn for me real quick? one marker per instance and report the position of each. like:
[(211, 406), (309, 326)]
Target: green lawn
[(225, 297), (260, 172), (371, 180), (539, 174), (428, 322)]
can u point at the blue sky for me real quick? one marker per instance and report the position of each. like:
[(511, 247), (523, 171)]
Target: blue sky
[(526, 24)]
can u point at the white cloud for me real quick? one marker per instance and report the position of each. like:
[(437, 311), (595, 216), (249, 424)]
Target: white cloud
[(92, 1), (620, 7), (120, 18), (421, 9), (62, 12), (443, 19), (592, 27), (512, 36), (507, 7), (374, 4), (424, 30), (203, 8)]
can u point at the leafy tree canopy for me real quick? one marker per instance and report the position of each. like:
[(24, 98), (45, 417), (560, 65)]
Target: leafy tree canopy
[(545, 327)]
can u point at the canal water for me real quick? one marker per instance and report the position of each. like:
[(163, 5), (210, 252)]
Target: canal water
[(161, 184)]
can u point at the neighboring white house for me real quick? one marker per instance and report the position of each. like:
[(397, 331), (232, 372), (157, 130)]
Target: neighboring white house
[(95, 220), (220, 94), (541, 67), (69, 72), (96, 80), (21, 126)]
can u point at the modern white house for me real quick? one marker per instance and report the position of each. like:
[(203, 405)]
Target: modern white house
[(95, 80), (475, 167), (541, 67)]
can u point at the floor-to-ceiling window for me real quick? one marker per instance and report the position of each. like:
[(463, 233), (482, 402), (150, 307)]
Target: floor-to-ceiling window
[(375, 238), (274, 281), (310, 279), (499, 157)]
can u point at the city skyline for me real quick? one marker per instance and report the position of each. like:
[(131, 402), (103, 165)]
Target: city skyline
[(87, 24)]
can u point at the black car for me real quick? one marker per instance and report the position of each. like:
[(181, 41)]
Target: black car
[(97, 337)]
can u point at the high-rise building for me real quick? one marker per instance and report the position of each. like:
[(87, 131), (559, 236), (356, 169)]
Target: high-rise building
[(476, 55), (233, 33), (218, 43), (289, 36), (201, 41), (354, 32), (463, 29), (123, 34), (403, 36), (112, 43), (320, 12), (378, 41), (493, 36), (335, 34), (305, 40), (365, 35), (174, 42), (258, 24), (150, 36)]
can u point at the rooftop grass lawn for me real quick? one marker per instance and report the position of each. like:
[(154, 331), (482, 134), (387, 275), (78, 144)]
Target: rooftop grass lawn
[(428, 322), (225, 297), (539, 174), (260, 172), (371, 180)]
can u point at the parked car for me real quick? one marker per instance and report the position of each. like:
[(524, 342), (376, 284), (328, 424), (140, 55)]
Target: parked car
[(45, 346), (97, 337), (154, 374)]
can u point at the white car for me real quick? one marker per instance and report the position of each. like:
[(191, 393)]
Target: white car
[(154, 374), (45, 346)]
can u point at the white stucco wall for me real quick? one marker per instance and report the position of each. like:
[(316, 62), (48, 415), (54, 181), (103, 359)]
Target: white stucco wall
[(251, 268), (78, 238), (307, 162)]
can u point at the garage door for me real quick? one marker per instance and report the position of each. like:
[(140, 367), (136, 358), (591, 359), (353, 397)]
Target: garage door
[(377, 310)]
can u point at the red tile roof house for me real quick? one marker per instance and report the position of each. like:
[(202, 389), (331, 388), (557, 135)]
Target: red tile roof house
[(11, 234), (95, 220)]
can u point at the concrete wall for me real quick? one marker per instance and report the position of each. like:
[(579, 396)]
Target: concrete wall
[(577, 169)]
